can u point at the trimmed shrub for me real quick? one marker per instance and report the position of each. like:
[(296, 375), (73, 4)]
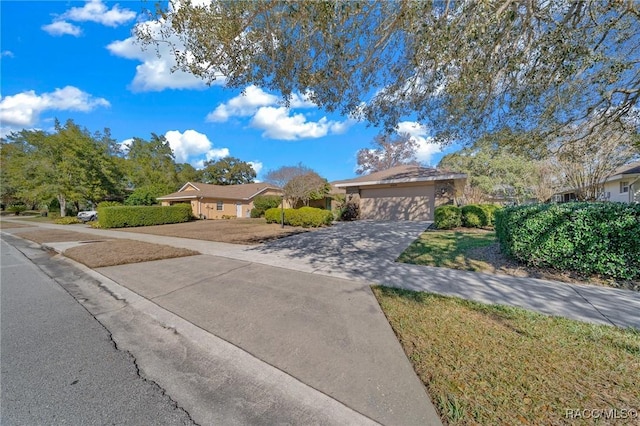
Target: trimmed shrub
[(490, 212), (589, 238), (273, 215), (146, 195), (307, 217), (448, 217), (126, 216), (263, 203), (109, 204), (16, 209), (350, 211), (67, 220), (474, 216)]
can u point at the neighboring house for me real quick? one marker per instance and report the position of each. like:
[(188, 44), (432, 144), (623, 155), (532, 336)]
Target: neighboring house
[(219, 201), (405, 192), (622, 186), (332, 201)]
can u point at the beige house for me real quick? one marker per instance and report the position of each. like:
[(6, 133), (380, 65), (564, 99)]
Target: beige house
[(405, 192), (219, 201)]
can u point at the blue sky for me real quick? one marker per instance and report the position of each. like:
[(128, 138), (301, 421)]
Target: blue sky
[(79, 60)]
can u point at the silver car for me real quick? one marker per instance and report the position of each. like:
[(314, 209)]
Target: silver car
[(88, 215)]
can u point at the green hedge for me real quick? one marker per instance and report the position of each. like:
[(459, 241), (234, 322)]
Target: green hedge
[(307, 217), (125, 216), (490, 212), (590, 238), (474, 216), (263, 203), (448, 217)]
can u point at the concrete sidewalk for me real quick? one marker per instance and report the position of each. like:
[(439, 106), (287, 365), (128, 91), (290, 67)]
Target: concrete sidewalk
[(316, 344), (332, 252)]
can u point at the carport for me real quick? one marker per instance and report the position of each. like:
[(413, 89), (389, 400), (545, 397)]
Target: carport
[(406, 192)]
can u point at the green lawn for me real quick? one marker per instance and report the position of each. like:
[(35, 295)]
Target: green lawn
[(485, 364), (449, 249)]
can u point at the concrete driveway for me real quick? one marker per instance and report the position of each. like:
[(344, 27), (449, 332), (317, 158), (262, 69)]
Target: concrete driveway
[(348, 246)]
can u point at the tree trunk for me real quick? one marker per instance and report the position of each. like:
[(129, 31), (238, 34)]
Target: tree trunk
[(63, 205)]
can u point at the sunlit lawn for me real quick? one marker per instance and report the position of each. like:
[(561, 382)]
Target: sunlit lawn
[(499, 365), (449, 249)]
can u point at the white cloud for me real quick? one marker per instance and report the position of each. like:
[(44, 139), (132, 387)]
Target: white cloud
[(24, 109), (251, 100), (157, 70), (187, 144), (243, 105), (7, 53), (216, 154), (301, 101), (92, 11), (96, 11), (60, 28), (277, 122), (419, 133), (257, 166), (125, 145)]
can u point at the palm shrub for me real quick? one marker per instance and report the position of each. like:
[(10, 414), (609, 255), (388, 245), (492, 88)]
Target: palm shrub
[(589, 238), (448, 217)]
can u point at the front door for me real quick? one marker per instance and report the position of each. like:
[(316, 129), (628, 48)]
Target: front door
[(238, 210)]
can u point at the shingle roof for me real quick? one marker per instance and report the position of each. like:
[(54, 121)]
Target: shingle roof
[(628, 169), (229, 192), (400, 174)]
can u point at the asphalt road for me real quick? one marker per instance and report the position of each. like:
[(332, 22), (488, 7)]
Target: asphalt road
[(60, 366)]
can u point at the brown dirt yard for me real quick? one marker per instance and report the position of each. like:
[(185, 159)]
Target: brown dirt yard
[(96, 252), (5, 224), (236, 231)]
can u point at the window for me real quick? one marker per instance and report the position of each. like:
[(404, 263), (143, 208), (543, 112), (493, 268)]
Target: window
[(624, 186), (219, 205)]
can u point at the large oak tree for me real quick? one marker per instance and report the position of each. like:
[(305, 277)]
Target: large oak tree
[(462, 68)]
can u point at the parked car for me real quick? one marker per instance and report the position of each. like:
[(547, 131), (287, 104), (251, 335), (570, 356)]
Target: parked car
[(88, 215)]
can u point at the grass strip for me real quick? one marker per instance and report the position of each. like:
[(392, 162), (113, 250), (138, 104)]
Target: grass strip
[(448, 249), (122, 252), (490, 364)]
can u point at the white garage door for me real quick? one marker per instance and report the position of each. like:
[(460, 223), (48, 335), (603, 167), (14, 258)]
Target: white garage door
[(397, 203)]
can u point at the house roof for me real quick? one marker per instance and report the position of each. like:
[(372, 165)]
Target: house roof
[(627, 169), (228, 192), (400, 174)]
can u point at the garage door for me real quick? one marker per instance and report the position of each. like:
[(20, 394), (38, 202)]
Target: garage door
[(397, 203)]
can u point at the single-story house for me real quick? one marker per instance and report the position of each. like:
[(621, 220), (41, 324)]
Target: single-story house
[(406, 192), (622, 186), (331, 201), (219, 201)]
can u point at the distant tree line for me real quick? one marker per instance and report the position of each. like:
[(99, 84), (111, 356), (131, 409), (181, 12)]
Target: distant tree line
[(71, 168)]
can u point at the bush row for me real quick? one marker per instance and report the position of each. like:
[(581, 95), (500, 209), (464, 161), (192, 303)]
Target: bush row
[(307, 217), (590, 238), (125, 216), (470, 216)]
